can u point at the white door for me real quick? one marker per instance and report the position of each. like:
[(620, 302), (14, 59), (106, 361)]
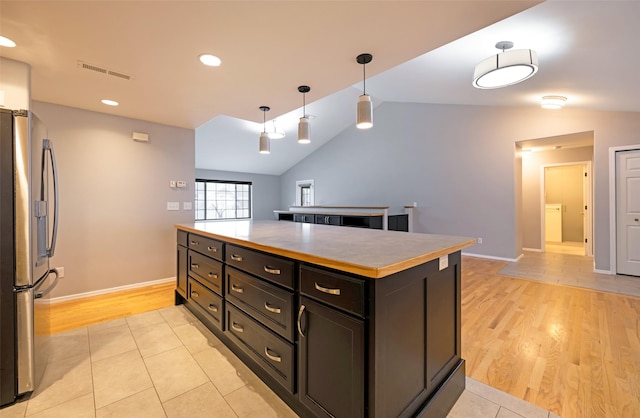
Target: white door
[(628, 212)]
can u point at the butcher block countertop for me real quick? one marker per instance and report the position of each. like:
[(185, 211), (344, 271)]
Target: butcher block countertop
[(366, 252)]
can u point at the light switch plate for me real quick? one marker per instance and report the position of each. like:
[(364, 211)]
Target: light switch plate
[(182, 183), (173, 205), (443, 262), (186, 205)]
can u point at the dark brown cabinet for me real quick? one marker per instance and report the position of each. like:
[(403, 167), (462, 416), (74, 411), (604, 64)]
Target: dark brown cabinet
[(181, 262), (305, 218), (331, 361)]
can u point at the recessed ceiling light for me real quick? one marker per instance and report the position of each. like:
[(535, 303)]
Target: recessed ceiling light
[(110, 102), (7, 42), (210, 60)]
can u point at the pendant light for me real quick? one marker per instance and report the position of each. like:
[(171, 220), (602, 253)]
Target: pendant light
[(506, 68), (365, 107), (265, 146), (304, 136)]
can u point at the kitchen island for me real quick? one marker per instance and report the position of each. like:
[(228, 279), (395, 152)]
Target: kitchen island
[(337, 321)]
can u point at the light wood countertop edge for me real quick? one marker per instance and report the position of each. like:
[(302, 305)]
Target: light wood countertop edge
[(370, 272)]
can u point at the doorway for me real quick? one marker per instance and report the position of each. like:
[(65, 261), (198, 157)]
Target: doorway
[(566, 212)]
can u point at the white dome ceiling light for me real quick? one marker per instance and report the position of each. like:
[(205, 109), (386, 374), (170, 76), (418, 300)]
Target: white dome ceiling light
[(506, 68), (553, 102)]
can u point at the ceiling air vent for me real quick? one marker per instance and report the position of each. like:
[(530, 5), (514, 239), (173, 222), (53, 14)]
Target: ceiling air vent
[(105, 71)]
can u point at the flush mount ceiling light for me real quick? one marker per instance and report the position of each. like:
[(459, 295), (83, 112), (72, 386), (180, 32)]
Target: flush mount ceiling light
[(265, 145), (210, 60), (7, 42), (553, 102), (277, 132), (109, 102), (304, 134), (506, 68), (364, 119)]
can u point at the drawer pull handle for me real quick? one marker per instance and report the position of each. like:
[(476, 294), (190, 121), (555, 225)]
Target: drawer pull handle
[(271, 308), (194, 294), (272, 271), (237, 327), (213, 308), (327, 290), (194, 266), (237, 289), (212, 249), (236, 257), (300, 311), (277, 359), (214, 275), (195, 243)]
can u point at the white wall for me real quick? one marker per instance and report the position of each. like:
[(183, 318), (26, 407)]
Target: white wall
[(15, 84), (114, 227), (265, 190), (458, 163)]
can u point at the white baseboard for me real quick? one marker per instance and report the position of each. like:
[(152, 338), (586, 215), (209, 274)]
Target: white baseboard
[(110, 290), (535, 250), (490, 257), (603, 271)]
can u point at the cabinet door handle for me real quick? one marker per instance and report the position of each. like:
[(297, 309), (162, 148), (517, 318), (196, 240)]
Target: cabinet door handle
[(212, 249), (237, 289), (300, 311), (271, 270), (236, 327), (194, 294), (194, 266), (235, 257), (326, 219), (213, 308), (277, 359), (327, 290), (271, 308), (195, 243), (213, 275)]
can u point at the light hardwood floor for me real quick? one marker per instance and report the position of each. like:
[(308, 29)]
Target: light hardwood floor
[(571, 351)]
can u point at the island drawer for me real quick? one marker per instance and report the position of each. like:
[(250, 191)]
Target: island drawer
[(269, 304), (271, 352), (334, 289), (207, 246), (206, 270), (207, 300), (272, 268), (182, 238)]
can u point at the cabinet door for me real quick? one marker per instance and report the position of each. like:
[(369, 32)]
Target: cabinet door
[(181, 274), (330, 361)]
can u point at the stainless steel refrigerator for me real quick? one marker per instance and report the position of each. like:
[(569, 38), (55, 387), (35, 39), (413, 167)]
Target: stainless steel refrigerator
[(28, 230)]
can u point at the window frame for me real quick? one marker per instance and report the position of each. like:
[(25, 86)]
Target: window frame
[(236, 201)]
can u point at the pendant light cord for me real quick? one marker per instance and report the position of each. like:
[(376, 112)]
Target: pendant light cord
[(364, 79), (304, 105)]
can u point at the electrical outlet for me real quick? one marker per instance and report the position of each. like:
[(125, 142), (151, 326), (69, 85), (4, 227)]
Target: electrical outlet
[(479, 240), (173, 205), (181, 184), (60, 271), (172, 184)]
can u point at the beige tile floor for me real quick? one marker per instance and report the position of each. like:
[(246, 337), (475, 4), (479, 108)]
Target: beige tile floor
[(570, 270), (165, 363)]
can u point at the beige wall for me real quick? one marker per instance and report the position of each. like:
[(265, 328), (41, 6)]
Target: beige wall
[(15, 83), (114, 228)]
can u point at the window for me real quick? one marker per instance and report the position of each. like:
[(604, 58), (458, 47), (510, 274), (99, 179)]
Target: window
[(218, 199), (304, 193)]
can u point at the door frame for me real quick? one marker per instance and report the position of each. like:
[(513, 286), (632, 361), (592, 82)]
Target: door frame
[(613, 205), (587, 197)]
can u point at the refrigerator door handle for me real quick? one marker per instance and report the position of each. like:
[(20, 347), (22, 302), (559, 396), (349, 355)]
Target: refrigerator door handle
[(48, 146), (43, 293)]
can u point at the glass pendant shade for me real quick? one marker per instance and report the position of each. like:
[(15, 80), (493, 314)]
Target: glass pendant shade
[(365, 112), (304, 136), (265, 144), (505, 69)]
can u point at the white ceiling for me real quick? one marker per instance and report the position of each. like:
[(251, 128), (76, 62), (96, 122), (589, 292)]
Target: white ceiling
[(423, 51)]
